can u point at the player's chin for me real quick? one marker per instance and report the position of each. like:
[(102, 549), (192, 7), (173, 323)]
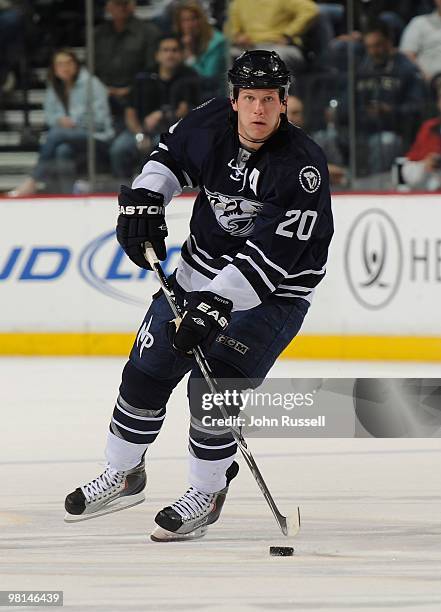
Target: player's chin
[(259, 130)]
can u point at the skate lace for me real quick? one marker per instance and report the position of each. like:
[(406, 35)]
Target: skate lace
[(193, 504), (107, 480)]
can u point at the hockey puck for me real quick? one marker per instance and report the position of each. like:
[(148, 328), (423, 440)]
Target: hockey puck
[(281, 551)]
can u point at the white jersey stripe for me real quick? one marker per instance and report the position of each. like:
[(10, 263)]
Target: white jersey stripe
[(265, 258), (233, 285), (260, 272), (199, 249), (204, 265), (308, 297), (294, 288), (322, 271)]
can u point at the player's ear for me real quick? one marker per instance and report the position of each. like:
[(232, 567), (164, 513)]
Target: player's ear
[(234, 104)]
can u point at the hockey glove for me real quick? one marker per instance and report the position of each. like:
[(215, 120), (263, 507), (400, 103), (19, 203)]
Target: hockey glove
[(141, 219), (206, 315)]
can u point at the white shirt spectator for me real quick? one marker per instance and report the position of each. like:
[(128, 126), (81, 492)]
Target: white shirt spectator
[(415, 175), (421, 41)]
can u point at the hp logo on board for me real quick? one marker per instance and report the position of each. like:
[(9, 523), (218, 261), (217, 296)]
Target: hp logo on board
[(373, 259)]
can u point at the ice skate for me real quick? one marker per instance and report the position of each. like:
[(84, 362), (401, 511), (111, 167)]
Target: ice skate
[(113, 490), (189, 517)]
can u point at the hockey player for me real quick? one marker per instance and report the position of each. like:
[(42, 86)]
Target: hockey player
[(259, 236)]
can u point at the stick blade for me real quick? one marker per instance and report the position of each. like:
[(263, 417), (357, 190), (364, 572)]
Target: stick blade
[(293, 523), (289, 525)]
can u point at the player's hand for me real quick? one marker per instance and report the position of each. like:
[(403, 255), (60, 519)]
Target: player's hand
[(141, 219), (152, 120), (182, 109), (206, 315), (243, 40), (66, 122)]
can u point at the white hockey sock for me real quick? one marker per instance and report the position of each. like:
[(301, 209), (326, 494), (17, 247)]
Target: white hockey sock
[(123, 455), (208, 476)]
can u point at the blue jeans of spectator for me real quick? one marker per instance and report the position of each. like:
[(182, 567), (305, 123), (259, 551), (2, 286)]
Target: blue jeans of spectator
[(383, 148), (60, 154), (124, 155)]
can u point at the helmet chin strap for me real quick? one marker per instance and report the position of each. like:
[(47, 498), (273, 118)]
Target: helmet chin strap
[(254, 140)]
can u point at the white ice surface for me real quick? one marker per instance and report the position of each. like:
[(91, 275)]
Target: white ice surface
[(371, 509)]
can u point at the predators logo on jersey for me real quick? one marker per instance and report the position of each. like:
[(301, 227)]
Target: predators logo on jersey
[(235, 215)]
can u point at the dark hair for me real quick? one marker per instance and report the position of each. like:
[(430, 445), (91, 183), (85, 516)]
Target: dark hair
[(57, 83), (380, 27), (169, 36)]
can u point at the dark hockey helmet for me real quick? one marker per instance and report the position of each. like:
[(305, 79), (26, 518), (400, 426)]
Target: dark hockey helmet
[(258, 69)]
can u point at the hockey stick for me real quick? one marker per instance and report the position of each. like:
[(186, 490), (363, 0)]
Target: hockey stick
[(289, 525)]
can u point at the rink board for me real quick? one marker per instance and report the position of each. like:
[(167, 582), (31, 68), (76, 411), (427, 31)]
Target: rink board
[(67, 288)]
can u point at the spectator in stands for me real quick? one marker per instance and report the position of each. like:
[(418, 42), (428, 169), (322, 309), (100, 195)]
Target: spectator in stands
[(334, 13), (204, 47), (294, 111), (162, 11), (157, 100), (277, 25), (124, 46), (389, 96), (421, 41), (328, 25), (422, 168), (11, 34), (217, 10), (66, 111), (295, 114), (394, 13)]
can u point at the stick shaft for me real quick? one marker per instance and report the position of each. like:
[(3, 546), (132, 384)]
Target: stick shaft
[(212, 385)]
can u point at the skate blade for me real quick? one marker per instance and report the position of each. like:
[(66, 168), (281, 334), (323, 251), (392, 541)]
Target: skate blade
[(115, 506), (162, 535)]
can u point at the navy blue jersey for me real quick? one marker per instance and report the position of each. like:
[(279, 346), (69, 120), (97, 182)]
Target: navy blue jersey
[(262, 221)]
